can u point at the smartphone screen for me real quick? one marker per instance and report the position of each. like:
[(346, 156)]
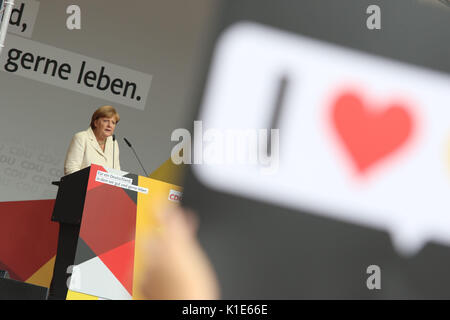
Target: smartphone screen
[(320, 163)]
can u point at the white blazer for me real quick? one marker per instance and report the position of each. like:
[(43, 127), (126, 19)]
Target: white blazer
[(84, 150)]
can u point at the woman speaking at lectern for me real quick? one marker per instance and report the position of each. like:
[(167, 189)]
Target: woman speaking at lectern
[(96, 145), (93, 146)]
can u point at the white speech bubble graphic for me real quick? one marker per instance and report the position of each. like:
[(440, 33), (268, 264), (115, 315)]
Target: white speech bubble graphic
[(332, 160), (79, 73)]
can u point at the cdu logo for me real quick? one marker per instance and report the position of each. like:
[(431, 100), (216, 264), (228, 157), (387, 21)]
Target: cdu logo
[(175, 195)]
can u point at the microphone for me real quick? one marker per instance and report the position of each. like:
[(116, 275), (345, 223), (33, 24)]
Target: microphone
[(129, 144), (114, 148)]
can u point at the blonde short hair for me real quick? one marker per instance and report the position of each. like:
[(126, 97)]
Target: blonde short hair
[(104, 112)]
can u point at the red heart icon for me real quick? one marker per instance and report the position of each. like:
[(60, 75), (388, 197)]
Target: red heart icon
[(370, 134)]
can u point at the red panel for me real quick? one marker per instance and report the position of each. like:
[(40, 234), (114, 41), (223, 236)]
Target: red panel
[(28, 238), (109, 219), (92, 174), (116, 260)]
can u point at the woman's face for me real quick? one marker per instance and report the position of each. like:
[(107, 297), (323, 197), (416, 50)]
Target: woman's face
[(105, 126)]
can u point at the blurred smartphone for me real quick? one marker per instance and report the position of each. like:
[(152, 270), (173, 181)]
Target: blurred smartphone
[(321, 149)]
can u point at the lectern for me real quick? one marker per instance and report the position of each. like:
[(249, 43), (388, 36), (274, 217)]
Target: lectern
[(104, 215)]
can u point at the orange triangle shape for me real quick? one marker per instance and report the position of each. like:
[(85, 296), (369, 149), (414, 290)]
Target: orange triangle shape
[(120, 261)]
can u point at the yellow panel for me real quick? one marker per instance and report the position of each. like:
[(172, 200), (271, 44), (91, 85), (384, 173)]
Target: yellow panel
[(147, 207), (169, 172), (43, 276), (72, 295)]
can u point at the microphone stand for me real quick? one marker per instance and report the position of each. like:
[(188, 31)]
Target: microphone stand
[(114, 149), (129, 144)]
